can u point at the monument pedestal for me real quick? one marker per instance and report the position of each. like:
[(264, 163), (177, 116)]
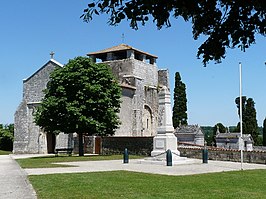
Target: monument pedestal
[(165, 138), (163, 142)]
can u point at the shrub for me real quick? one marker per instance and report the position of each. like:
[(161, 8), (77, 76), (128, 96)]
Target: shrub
[(6, 137)]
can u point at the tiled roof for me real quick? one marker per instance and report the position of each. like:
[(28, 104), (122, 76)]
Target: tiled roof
[(121, 47)]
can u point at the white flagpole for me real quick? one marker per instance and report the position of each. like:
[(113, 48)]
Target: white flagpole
[(240, 115)]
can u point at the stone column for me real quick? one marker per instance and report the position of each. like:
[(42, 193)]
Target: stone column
[(153, 61), (130, 54), (165, 138), (143, 58), (109, 57)]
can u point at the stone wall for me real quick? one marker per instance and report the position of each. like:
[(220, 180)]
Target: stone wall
[(163, 78), (34, 85), (26, 133), (135, 145), (148, 72), (225, 155), (28, 137), (259, 148), (144, 146), (125, 114), (139, 96)]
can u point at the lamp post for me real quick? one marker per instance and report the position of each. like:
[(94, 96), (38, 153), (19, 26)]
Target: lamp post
[(240, 115)]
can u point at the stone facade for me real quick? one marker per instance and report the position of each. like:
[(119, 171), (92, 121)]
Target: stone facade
[(139, 78), (232, 141), (28, 137), (191, 134)]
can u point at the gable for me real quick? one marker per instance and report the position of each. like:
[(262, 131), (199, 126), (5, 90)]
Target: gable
[(34, 85), (51, 61)]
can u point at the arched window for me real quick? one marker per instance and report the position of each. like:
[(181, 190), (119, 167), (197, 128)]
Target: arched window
[(147, 124)]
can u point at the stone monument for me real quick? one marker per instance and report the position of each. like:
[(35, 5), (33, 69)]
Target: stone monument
[(165, 138)]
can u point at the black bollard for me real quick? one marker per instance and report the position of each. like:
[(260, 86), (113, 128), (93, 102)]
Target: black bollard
[(205, 155), (125, 156), (169, 158)]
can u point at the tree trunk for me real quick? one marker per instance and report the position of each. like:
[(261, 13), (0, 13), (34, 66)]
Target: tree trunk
[(81, 150)]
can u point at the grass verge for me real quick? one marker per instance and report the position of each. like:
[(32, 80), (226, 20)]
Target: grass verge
[(124, 184), (5, 152), (47, 162)]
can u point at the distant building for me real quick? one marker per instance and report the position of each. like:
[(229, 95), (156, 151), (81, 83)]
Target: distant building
[(232, 141), (191, 134)]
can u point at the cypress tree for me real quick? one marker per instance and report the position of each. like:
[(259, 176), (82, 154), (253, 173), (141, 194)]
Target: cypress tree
[(264, 132), (250, 124), (180, 102), (251, 121)]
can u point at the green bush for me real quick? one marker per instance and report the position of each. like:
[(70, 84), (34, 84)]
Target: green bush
[(6, 137)]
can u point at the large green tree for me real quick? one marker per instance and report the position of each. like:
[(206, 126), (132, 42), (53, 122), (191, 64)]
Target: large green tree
[(264, 133), (250, 124), (81, 97), (225, 23), (180, 102)]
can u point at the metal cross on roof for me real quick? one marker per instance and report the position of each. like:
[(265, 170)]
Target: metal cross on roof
[(52, 54)]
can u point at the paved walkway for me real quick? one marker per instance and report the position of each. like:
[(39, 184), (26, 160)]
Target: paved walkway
[(14, 183), (186, 167), (13, 180)]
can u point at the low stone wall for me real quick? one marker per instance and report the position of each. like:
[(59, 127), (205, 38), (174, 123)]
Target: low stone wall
[(259, 148), (135, 145), (225, 155), (144, 146)]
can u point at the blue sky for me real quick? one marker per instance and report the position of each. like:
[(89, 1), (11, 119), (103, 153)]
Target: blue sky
[(31, 29)]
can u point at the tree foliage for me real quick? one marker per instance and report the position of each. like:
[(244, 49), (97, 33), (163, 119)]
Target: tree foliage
[(180, 102), (264, 132), (208, 134), (6, 137), (81, 97), (249, 121), (222, 129), (225, 23)]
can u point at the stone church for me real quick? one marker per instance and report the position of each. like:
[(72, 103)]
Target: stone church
[(139, 78)]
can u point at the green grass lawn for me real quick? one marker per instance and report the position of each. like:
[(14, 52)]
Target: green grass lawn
[(46, 162), (5, 152), (124, 184)]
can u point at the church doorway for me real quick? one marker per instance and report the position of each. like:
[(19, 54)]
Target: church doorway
[(50, 142), (147, 122)]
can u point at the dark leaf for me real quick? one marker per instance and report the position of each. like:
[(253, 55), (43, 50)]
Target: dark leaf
[(91, 5)]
